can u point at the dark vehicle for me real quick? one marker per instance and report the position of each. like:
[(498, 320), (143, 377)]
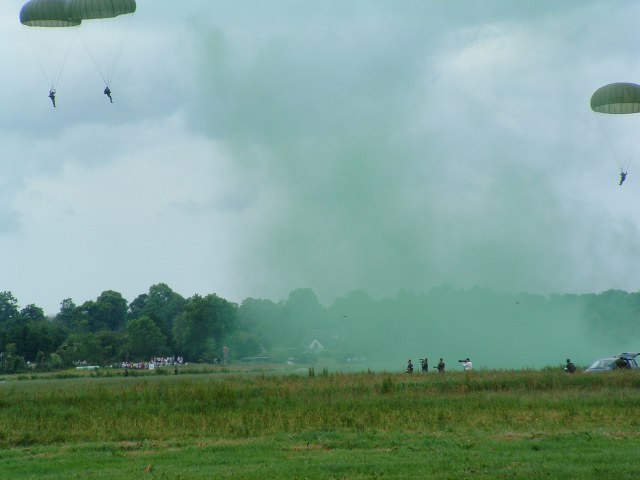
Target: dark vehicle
[(625, 360)]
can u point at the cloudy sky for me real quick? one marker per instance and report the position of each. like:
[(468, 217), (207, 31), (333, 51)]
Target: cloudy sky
[(257, 147)]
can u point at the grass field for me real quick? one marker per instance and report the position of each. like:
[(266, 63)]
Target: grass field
[(480, 425)]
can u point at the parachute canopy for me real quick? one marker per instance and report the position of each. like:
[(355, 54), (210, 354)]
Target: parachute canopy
[(47, 13), (95, 9), (104, 28), (617, 98), (50, 29), (618, 102), (104, 24)]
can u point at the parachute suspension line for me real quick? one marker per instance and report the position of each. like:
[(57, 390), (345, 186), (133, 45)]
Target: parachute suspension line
[(630, 157), (119, 44), (66, 57), (50, 30), (619, 135), (107, 44), (611, 144), (96, 64), (39, 36), (51, 83)]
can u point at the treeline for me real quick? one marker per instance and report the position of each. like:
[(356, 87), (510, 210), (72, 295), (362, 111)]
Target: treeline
[(110, 330), (161, 322)]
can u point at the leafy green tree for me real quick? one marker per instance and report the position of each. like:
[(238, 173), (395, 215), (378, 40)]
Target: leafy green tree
[(32, 313), (36, 336), (8, 308), (11, 362), (303, 313), (145, 339), (245, 344), (82, 321), (162, 305), (264, 319), (613, 313), (106, 313), (110, 310), (55, 361), (200, 330), (112, 346), (66, 313), (81, 347)]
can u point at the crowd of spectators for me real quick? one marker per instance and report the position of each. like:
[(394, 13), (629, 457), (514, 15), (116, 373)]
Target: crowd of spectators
[(154, 362)]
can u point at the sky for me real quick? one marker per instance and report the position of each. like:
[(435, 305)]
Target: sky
[(258, 147)]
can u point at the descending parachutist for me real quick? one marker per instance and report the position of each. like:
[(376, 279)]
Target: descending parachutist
[(107, 92), (52, 96), (623, 176)]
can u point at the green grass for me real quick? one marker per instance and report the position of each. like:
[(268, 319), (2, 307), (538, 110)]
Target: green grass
[(512, 424)]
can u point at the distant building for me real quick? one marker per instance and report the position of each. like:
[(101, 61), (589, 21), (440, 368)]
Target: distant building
[(315, 346)]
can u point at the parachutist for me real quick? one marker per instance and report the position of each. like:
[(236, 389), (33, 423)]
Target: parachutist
[(623, 176), (52, 96), (107, 92)]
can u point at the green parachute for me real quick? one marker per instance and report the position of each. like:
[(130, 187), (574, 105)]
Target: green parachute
[(104, 27), (52, 26), (51, 30), (617, 99), (617, 106)]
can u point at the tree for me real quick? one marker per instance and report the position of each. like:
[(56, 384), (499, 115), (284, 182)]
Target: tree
[(32, 313), (200, 330), (144, 339), (110, 310), (36, 336), (264, 319), (162, 305), (107, 312), (11, 361), (67, 310), (8, 308), (81, 320), (113, 346), (245, 344), (304, 313), (80, 347)]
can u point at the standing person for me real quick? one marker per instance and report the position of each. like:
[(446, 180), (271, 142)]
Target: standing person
[(467, 364), (440, 366), (424, 362), (622, 363), (569, 367), (409, 366)]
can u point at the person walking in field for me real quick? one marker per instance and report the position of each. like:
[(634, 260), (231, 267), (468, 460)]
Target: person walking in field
[(569, 367), (424, 362), (440, 366), (409, 366)]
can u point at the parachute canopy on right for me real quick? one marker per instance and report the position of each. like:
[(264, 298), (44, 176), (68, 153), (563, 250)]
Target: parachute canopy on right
[(103, 31), (96, 9), (617, 98)]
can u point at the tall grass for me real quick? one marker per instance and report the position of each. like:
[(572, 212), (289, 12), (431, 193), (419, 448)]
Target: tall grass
[(164, 408)]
